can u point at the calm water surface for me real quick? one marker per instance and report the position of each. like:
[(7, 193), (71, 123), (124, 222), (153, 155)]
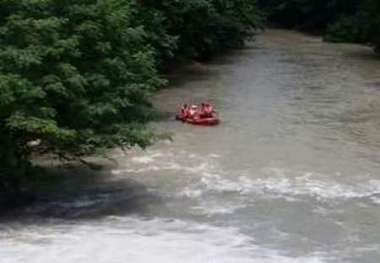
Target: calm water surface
[(291, 175)]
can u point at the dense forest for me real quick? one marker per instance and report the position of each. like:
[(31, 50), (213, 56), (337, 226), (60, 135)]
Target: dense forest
[(76, 75), (338, 20)]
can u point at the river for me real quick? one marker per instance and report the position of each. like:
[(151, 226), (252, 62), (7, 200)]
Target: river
[(291, 175)]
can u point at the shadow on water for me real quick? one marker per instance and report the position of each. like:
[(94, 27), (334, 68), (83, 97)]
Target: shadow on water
[(374, 85), (81, 193), (195, 71), (362, 53), (203, 71)]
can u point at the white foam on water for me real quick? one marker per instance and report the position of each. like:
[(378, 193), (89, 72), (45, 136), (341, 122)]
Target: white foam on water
[(143, 159), (191, 193), (120, 240), (291, 188), (272, 181), (376, 200), (156, 161), (215, 209), (285, 185), (213, 155), (147, 158)]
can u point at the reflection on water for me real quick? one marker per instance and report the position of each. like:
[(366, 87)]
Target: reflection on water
[(291, 175)]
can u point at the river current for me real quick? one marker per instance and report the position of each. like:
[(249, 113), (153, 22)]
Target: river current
[(291, 175)]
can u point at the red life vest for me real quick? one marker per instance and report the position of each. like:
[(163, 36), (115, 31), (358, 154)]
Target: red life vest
[(208, 109)]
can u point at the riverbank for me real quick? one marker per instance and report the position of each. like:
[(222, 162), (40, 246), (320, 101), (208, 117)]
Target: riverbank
[(281, 180), (360, 120)]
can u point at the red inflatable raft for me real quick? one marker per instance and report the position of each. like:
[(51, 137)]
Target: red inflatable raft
[(198, 115), (210, 121)]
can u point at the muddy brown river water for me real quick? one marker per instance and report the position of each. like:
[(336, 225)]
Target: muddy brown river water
[(291, 175)]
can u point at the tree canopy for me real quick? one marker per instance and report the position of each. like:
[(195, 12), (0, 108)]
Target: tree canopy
[(76, 75)]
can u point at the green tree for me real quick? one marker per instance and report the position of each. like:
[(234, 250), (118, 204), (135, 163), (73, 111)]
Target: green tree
[(203, 28), (74, 74)]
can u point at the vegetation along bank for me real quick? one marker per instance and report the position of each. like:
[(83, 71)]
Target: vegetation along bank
[(76, 75)]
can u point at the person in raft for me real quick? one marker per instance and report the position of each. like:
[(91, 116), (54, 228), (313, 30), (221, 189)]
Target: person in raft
[(185, 110), (193, 112), (207, 110)]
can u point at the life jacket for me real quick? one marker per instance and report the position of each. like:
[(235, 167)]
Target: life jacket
[(184, 111), (203, 110), (192, 112), (208, 109)]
